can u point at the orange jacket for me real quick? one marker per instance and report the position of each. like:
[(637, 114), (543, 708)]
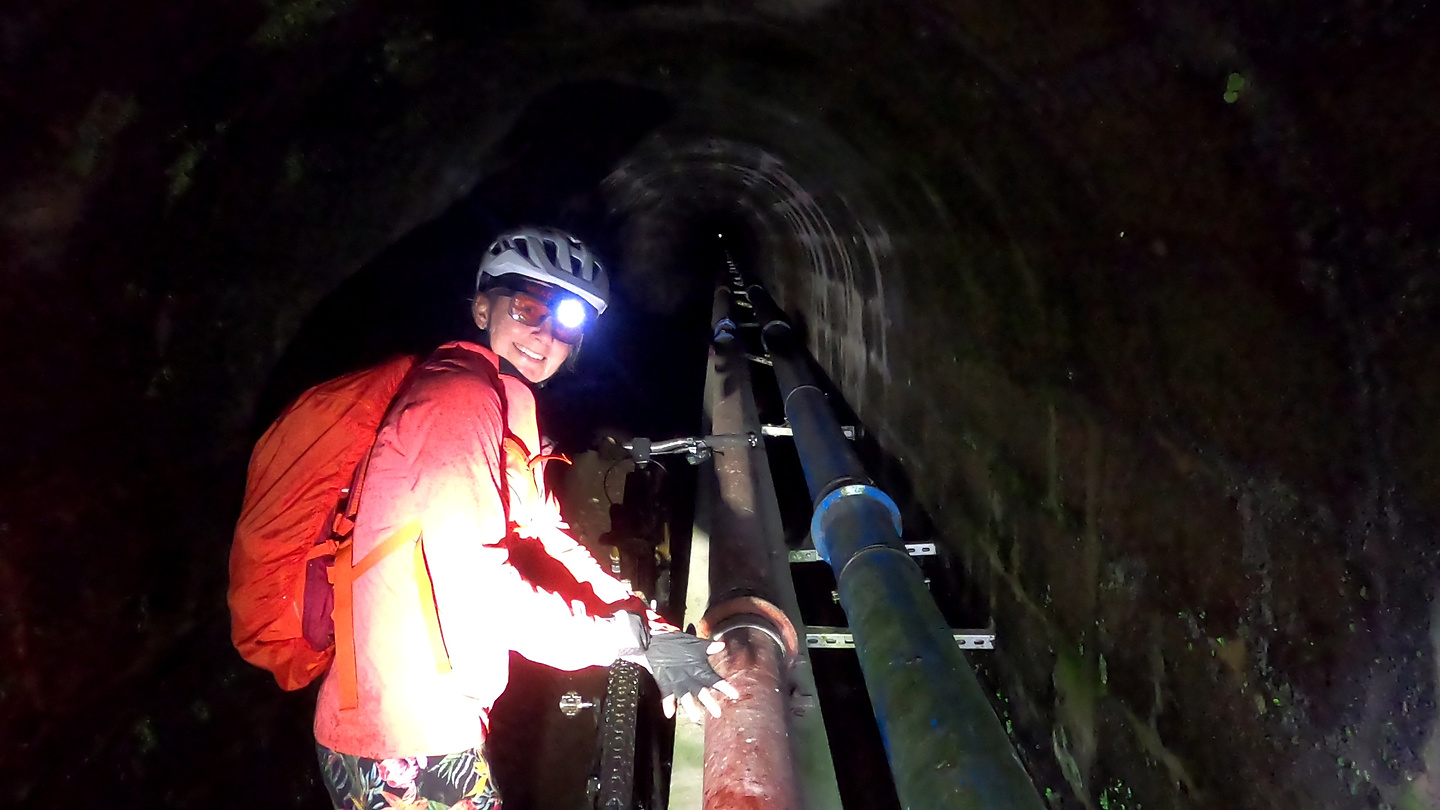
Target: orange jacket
[(440, 465)]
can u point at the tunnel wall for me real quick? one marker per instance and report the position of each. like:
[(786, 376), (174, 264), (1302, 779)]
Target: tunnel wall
[(1157, 409), (1191, 542), (1164, 416), (1137, 305), (1163, 403)]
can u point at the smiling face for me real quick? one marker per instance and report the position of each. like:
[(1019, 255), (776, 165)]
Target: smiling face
[(533, 350)]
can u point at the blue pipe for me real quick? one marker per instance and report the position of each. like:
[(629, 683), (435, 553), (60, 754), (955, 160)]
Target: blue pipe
[(945, 746)]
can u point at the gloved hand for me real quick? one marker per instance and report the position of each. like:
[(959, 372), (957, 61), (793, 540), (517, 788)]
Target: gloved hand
[(681, 666)]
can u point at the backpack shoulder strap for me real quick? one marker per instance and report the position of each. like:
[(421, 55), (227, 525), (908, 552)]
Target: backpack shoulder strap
[(344, 571), (347, 570)]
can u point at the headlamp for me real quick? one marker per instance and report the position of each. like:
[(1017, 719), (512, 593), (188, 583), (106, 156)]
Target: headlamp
[(569, 312)]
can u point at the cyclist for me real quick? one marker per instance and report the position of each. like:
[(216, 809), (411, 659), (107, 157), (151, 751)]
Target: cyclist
[(457, 467)]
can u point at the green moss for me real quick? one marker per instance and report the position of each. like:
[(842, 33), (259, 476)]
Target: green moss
[(182, 170), (1412, 800), (1077, 690), (291, 21), (407, 55), (144, 730), (107, 115), (1060, 742), (1234, 84), (1118, 797), (1077, 679)]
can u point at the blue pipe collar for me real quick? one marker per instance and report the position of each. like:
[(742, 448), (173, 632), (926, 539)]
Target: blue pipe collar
[(817, 529)]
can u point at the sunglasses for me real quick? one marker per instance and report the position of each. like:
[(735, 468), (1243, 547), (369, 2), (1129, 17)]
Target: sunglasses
[(568, 315)]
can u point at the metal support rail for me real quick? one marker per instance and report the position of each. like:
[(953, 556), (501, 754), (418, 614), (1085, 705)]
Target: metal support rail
[(819, 637)]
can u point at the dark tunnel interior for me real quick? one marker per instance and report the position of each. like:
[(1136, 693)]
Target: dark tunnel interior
[(1134, 304)]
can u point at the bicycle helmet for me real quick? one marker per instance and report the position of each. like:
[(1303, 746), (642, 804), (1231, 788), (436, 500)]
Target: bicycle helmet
[(548, 256)]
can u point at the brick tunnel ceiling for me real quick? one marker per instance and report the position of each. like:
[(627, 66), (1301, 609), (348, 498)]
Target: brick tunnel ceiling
[(1138, 299)]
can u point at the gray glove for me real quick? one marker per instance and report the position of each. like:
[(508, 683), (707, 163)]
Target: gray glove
[(680, 664)]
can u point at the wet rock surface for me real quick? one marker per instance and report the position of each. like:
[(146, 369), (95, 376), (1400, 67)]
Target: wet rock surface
[(1137, 304)]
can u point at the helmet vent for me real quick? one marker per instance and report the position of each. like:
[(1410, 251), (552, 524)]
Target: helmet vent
[(552, 252)]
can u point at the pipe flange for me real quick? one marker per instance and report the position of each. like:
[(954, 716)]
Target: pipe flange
[(751, 622), (797, 389), (865, 551), (718, 619), (817, 531)]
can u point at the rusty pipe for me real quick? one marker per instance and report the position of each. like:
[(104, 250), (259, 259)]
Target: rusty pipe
[(748, 762), (742, 769), (761, 752)]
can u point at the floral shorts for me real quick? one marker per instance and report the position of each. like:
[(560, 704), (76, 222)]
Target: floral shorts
[(459, 781)]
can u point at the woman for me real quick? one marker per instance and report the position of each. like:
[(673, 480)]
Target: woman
[(456, 473)]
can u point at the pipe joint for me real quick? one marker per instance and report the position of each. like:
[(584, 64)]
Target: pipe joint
[(836, 537), (799, 388), (769, 315), (751, 611), (861, 554), (754, 622)]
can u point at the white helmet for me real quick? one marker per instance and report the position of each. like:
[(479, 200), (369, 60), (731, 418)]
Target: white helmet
[(548, 256)]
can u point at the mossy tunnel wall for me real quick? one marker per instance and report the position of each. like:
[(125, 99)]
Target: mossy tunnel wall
[(1136, 301)]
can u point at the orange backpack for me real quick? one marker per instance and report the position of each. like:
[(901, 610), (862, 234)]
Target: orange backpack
[(301, 470)]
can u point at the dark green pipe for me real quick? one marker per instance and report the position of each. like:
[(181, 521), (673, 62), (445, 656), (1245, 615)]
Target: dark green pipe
[(945, 745)]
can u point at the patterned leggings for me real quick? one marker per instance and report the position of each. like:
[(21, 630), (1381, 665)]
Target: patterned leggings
[(459, 781)]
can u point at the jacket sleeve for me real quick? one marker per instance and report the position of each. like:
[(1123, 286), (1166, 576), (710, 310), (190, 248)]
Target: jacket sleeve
[(535, 514), (451, 426), (545, 524), (582, 565)]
